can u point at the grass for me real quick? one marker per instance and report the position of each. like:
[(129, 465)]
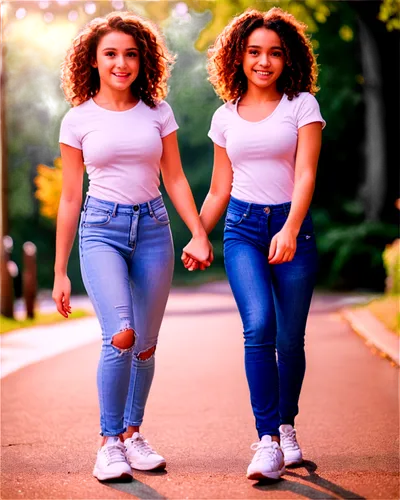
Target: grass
[(387, 310), (8, 325)]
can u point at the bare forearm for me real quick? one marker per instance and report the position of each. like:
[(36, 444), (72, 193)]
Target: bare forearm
[(182, 199), (301, 200), (212, 210), (67, 222)]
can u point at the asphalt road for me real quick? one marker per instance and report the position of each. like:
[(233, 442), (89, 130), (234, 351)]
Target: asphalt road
[(199, 416)]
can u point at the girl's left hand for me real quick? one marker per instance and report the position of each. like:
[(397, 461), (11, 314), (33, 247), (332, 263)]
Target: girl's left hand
[(282, 247), (191, 264), (198, 253)]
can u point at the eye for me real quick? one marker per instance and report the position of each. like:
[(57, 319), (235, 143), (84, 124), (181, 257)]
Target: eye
[(132, 54), (253, 52), (110, 54), (277, 53)]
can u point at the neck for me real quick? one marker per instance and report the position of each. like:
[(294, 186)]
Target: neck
[(115, 99), (257, 95)]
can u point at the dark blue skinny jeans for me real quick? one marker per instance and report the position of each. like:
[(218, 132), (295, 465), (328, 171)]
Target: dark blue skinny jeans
[(273, 302)]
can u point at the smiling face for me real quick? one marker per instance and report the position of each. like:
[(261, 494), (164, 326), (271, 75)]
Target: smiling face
[(117, 60), (263, 58)]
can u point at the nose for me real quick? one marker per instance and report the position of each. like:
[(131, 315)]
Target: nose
[(264, 61), (121, 62)]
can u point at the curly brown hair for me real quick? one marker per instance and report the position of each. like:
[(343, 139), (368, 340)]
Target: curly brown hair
[(225, 57), (81, 81)]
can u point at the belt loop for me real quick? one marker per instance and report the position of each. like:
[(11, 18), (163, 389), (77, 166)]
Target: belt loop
[(150, 209), (248, 209), (86, 202), (115, 210)]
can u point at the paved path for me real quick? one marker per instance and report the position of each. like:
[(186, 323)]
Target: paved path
[(199, 416)]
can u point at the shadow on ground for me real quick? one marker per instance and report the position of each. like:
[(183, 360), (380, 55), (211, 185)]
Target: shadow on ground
[(138, 490), (305, 490)]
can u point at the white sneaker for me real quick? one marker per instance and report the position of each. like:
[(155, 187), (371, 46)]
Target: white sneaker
[(290, 446), (141, 455), (111, 463), (268, 460)]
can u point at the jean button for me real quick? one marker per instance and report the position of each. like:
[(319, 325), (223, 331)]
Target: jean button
[(267, 210), (136, 208)]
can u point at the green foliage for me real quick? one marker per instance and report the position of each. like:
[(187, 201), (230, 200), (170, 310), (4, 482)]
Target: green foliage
[(351, 252)]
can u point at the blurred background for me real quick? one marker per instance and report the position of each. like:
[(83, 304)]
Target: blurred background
[(355, 207)]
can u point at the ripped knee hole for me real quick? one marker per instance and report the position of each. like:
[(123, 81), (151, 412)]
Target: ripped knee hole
[(144, 355), (124, 339)]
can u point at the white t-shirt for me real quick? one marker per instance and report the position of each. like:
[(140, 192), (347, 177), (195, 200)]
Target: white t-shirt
[(121, 149), (263, 153)]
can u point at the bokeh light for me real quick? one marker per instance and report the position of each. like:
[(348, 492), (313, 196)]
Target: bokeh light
[(73, 15), (90, 8), (48, 17), (20, 13), (117, 4)]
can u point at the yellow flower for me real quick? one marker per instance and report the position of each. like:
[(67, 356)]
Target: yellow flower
[(49, 183)]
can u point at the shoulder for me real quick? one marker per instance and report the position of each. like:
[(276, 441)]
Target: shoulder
[(224, 112), (162, 109), (305, 109), (302, 104), (164, 118), (75, 113), (303, 100)]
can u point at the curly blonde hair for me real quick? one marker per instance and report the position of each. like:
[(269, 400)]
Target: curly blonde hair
[(81, 81), (225, 57)]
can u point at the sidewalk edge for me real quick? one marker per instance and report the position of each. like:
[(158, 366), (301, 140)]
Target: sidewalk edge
[(375, 334)]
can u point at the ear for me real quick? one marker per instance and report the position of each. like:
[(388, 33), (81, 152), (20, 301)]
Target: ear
[(93, 62)]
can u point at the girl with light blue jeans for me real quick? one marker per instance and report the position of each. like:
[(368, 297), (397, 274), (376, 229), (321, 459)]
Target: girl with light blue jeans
[(127, 260), (121, 131)]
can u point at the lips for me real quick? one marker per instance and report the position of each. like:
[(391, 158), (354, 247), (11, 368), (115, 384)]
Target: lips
[(121, 75)]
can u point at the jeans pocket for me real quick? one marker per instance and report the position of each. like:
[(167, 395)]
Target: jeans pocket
[(233, 219), (160, 215), (95, 217)]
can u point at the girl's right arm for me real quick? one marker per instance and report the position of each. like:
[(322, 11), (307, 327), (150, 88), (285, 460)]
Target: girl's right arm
[(217, 198), (220, 189), (67, 223)]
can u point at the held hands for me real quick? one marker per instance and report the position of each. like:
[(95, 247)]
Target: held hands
[(282, 247), (61, 294), (197, 254)]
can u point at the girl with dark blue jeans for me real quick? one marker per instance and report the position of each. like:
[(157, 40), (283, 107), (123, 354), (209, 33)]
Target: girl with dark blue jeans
[(267, 139), (273, 302)]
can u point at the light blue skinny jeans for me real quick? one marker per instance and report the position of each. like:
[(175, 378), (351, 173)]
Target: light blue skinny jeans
[(127, 260)]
